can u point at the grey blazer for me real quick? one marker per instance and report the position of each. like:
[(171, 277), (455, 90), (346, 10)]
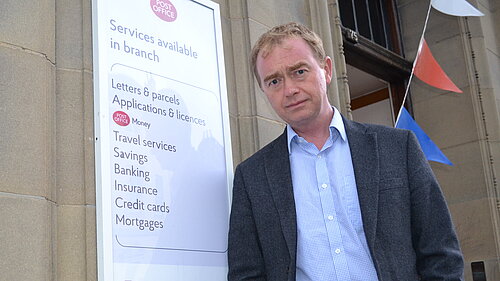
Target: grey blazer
[(405, 217)]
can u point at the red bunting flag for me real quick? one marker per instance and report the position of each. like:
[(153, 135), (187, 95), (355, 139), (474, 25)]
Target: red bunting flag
[(428, 70)]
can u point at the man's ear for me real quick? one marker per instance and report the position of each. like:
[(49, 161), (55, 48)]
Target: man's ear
[(327, 67)]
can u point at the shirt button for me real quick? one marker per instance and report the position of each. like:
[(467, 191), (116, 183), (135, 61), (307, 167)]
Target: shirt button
[(330, 217), (337, 251), (324, 185), (319, 156)]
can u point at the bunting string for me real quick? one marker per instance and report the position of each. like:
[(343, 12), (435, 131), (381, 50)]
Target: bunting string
[(415, 61)]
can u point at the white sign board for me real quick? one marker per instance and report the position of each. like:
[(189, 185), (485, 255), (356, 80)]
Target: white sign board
[(163, 161)]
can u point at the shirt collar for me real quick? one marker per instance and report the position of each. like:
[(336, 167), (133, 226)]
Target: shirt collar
[(335, 123)]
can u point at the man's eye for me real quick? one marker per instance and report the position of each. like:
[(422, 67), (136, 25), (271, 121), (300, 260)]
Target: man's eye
[(301, 71), (273, 82)]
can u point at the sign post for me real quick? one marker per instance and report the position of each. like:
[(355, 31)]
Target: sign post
[(163, 152)]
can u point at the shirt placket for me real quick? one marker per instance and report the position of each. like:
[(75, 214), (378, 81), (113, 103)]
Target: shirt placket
[(330, 218)]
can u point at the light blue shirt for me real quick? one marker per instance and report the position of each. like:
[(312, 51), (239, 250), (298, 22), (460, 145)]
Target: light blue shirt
[(331, 243)]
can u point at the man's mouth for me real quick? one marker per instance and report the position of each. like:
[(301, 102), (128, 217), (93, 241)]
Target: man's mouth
[(295, 104)]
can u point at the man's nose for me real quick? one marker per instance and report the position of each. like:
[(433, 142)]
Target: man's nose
[(290, 87)]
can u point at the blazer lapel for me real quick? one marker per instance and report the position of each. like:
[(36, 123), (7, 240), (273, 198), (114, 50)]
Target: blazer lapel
[(365, 161), (277, 165)]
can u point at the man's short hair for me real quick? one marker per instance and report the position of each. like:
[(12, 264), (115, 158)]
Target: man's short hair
[(277, 34)]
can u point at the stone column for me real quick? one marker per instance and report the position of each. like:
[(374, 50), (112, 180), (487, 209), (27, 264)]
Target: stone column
[(75, 182), (27, 146)]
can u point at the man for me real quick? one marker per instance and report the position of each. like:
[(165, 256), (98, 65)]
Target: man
[(331, 199)]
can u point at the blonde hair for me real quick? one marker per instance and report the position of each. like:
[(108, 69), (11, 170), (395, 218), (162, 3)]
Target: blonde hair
[(277, 34)]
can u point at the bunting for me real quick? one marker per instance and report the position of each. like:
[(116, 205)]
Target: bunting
[(459, 8), (428, 70), (431, 151)]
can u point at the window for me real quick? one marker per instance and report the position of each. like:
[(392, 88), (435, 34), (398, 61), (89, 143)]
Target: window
[(375, 20), (377, 71)]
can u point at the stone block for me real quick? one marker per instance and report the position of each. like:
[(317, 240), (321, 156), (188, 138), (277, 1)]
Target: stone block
[(412, 14), (27, 110), (485, 5), (498, 100), (448, 119), (235, 140), (495, 154), (71, 242), (236, 9), (263, 11), (491, 109), (223, 7), (467, 271), (268, 130), (495, 13), (441, 27), (264, 108), (248, 136), (271, 13), (255, 133), (492, 268), (256, 29), (231, 82), (91, 243), (88, 138), (70, 139), (475, 228), (483, 63), (494, 68), (449, 53), (287, 11), (465, 180), (474, 26), (29, 24), (402, 3), (243, 102), (69, 29), (87, 35), (420, 91), (26, 238)]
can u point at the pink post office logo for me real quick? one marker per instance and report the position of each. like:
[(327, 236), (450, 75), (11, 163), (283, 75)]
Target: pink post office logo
[(121, 118), (164, 9)]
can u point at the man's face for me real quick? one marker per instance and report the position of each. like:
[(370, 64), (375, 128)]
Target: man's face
[(295, 82)]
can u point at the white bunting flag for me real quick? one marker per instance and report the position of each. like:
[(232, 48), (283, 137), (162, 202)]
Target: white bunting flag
[(459, 8)]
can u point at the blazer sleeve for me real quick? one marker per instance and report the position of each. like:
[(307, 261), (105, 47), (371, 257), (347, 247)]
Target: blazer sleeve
[(245, 257), (433, 236)]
